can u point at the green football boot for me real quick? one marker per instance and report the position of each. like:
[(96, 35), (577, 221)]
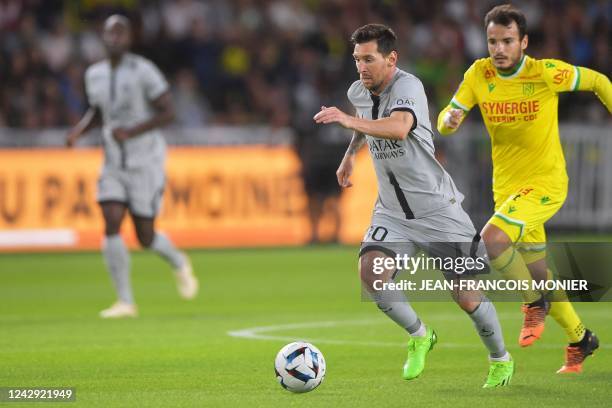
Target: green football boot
[(500, 374), (418, 347)]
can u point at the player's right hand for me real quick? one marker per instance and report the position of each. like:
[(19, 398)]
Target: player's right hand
[(344, 172), (452, 118), (72, 138)]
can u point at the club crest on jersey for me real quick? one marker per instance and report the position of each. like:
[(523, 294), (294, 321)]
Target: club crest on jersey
[(528, 89), (491, 87)]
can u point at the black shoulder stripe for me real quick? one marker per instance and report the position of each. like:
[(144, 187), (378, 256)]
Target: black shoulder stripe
[(404, 109)]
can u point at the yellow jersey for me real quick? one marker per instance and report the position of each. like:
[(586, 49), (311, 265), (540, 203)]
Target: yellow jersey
[(520, 112)]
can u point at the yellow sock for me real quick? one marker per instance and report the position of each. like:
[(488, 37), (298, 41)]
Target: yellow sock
[(564, 314), (512, 266)]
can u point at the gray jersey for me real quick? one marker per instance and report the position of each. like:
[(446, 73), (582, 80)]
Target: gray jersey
[(411, 182), (124, 95)]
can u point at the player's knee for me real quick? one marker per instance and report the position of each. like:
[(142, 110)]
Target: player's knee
[(370, 269), (145, 238), (366, 273), (495, 239), (468, 301), (111, 228), (467, 305), (363, 268)]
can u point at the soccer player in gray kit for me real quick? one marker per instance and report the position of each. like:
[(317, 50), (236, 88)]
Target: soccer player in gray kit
[(130, 97), (417, 200)]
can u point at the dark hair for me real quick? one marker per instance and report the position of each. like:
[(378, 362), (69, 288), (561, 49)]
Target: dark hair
[(384, 36), (505, 15)]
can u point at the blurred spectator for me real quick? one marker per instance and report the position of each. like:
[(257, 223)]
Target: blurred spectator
[(10, 12), (91, 47), (57, 46), (179, 16), (291, 16), (192, 109), (245, 61)]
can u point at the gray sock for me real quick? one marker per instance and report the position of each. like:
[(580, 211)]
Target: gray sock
[(395, 305), (162, 245), (117, 259), (488, 328)]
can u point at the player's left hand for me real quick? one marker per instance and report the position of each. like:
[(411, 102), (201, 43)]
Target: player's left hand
[(333, 115), (121, 134)]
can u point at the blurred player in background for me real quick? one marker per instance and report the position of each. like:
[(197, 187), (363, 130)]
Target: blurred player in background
[(418, 202), (518, 98), (319, 150), (129, 96)]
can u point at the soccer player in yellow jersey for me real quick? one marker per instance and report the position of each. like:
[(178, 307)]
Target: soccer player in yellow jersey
[(518, 98)]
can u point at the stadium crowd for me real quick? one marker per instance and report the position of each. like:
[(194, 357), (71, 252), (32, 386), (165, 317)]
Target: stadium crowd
[(269, 61)]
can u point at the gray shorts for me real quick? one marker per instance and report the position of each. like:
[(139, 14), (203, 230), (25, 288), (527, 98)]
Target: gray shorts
[(448, 233), (141, 189)]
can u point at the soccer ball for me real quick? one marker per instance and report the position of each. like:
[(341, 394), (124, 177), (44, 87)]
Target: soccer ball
[(299, 367)]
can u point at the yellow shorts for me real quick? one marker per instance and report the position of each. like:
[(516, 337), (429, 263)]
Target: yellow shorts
[(522, 215)]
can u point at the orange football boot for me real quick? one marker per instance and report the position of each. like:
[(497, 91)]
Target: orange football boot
[(533, 323), (575, 355)]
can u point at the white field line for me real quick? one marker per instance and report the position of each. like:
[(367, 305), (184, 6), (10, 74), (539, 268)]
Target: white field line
[(262, 333)]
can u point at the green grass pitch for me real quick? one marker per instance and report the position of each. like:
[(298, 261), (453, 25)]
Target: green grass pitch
[(180, 353)]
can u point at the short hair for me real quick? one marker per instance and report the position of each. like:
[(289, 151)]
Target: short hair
[(384, 36), (505, 15), (118, 19)]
